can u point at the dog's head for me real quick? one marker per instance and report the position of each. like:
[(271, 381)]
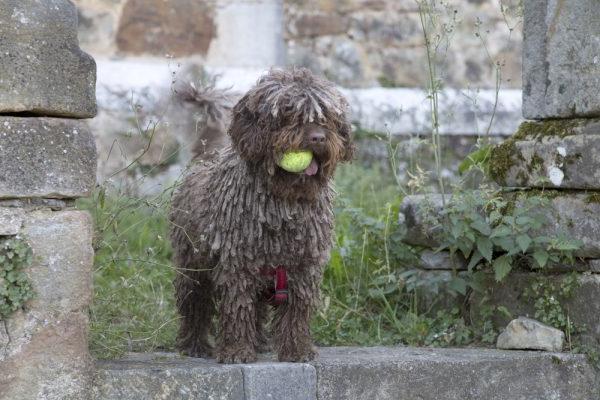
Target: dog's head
[(293, 110)]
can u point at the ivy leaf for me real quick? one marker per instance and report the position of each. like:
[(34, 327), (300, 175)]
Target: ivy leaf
[(523, 241), (541, 257), (485, 247), (502, 266)]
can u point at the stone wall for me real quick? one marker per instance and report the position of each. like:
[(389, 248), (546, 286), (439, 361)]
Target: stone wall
[(356, 43), (47, 159)]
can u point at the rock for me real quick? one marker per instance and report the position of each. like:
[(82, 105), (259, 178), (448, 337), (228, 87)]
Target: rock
[(42, 69), (571, 214), (561, 69), (46, 157), (582, 305), (250, 34), (382, 373), (441, 260), (385, 373), (167, 376), (156, 376), (310, 25), (550, 154), (11, 220), (528, 334), (44, 350), (177, 27), (288, 381), (419, 215)]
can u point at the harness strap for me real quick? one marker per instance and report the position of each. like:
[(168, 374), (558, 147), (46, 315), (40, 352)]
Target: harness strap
[(279, 294)]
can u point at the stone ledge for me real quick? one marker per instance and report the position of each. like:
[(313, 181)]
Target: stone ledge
[(356, 373), (550, 154), (46, 157), (42, 69)]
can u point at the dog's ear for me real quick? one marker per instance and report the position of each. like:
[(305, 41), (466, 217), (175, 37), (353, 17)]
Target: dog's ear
[(247, 133), (346, 134)]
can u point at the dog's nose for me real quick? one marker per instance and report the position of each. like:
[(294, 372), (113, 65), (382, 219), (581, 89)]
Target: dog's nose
[(317, 137)]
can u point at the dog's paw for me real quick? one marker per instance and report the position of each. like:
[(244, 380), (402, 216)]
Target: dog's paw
[(236, 355), (306, 354), (197, 351)]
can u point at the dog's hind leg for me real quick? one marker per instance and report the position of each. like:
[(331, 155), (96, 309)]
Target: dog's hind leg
[(237, 338), (263, 317), (195, 303)]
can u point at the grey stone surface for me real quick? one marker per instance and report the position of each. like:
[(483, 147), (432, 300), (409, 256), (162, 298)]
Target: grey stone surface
[(46, 157), (42, 69), (550, 154), (528, 334), (419, 215), (583, 305), (380, 373), (385, 373), (287, 381), (441, 260), (44, 349), (164, 376), (573, 214), (561, 65), (11, 220)]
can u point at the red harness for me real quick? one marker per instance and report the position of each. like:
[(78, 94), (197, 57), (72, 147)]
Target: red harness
[(279, 294)]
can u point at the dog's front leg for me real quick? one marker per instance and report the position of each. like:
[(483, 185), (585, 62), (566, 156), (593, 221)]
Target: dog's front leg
[(237, 336), (291, 327)]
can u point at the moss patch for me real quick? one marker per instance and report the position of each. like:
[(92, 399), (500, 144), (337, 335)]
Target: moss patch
[(501, 160), (551, 127)]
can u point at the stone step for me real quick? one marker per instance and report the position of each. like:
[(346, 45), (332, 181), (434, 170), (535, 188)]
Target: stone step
[(356, 373)]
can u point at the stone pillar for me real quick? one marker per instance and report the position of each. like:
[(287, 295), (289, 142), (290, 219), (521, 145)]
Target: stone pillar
[(559, 152), (47, 159), (249, 34)]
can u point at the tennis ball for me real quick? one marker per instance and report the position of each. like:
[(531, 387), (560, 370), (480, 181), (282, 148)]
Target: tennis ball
[(296, 160)]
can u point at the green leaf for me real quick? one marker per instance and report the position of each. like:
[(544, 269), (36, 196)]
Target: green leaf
[(505, 312), (477, 158), (485, 247), (475, 258), (506, 243), (459, 285), (465, 247), (482, 227), (541, 257), (502, 266), (500, 231), (523, 241)]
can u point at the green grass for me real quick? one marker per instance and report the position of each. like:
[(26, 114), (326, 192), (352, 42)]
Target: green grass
[(366, 299), (133, 307)]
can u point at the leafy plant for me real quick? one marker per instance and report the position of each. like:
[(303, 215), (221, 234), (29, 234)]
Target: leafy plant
[(15, 289), (491, 232), (548, 297)]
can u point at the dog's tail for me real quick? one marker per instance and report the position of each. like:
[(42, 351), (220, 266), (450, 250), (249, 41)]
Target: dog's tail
[(204, 113)]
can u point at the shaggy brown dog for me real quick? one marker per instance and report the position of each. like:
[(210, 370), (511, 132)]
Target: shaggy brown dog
[(239, 216)]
